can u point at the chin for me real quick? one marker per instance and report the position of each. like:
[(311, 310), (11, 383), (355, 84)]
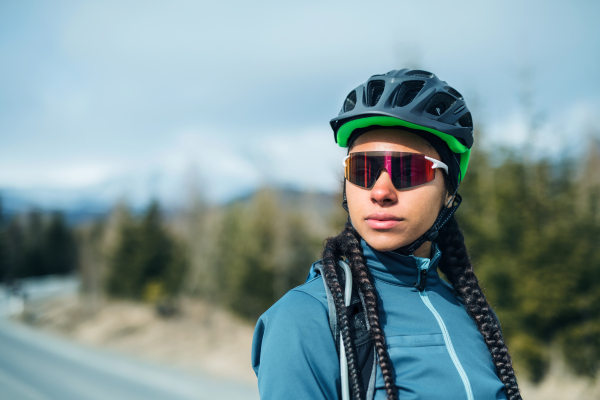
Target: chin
[(385, 242)]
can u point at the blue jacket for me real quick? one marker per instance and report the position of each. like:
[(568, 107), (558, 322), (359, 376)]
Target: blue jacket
[(436, 348)]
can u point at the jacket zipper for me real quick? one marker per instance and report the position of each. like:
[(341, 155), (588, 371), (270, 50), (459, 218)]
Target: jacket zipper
[(449, 346)]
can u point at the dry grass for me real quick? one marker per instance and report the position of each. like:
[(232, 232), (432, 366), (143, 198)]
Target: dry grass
[(561, 384)]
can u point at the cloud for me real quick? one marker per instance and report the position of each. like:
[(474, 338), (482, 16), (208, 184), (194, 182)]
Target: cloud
[(555, 135), (65, 175)]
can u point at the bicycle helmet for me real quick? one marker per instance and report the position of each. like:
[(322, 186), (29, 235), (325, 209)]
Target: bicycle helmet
[(413, 99)]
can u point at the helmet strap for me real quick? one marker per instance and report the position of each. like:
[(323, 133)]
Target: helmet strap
[(445, 214)]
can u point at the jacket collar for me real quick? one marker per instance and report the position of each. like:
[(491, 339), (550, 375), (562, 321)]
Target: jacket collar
[(401, 270)]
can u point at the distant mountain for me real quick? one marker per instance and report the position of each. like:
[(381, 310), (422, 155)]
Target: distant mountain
[(92, 203), (76, 208), (319, 202)]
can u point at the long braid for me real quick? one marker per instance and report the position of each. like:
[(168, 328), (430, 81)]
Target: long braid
[(347, 244), (455, 263), (331, 254), (358, 265)]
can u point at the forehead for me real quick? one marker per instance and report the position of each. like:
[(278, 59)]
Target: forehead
[(393, 140)]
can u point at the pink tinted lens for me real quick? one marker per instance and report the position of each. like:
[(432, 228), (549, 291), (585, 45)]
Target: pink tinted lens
[(405, 169)]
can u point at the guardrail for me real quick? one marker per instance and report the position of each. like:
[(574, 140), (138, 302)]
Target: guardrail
[(13, 298)]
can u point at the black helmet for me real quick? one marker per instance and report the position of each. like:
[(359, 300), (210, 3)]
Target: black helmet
[(412, 99)]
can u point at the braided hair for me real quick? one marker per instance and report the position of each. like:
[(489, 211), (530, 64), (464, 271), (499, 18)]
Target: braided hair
[(347, 245), (455, 264)]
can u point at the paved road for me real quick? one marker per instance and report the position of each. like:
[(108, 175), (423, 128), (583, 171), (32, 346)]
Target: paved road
[(37, 366)]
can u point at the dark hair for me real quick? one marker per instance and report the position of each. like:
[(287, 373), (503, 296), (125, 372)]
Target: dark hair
[(454, 263), (347, 245)]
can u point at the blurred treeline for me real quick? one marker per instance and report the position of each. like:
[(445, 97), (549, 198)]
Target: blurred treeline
[(35, 244), (533, 231), (247, 254), (532, 227)]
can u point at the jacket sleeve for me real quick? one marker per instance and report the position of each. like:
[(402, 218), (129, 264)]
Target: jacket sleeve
[(293, 352)]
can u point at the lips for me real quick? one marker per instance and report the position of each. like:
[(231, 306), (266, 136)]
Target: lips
[(383, 220)]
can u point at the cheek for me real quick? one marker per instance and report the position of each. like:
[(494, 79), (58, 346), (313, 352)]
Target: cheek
[(359, 202), (421, 205)]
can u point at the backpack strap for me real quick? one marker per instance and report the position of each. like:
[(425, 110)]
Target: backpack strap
[(333, 325), (359, 331)]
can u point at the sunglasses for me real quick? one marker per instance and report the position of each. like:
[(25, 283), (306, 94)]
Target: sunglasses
[(406, 170)]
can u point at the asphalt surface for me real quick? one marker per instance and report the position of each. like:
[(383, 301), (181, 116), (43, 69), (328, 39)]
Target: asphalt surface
[(38, 366)]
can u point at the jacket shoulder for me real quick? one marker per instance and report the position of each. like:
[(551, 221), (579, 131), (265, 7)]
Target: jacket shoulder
[(293, 351), (303, 303), (314, 288)]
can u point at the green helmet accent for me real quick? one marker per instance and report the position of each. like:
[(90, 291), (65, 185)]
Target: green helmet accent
[(345, 131)]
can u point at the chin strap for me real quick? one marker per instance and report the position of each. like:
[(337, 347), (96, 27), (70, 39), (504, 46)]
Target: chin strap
[(432, 233)]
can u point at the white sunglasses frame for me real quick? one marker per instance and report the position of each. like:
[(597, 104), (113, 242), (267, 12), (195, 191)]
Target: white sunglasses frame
[(436, 163)]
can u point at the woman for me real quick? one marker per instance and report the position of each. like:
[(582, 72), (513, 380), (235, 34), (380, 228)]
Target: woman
[(405, 332)]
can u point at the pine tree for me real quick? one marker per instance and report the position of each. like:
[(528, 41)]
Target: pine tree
[(147, 263), (59, 248)]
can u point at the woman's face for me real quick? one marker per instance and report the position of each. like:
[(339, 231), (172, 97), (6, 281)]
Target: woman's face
[(388, 218)]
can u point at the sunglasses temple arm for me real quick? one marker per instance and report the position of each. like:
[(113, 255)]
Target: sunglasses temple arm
[(436, 164), (344, 161)]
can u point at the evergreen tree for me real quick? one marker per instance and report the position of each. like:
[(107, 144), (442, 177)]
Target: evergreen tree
[(147, 262), (59, 247), (246, 256), (262, 250), (125, 273), (303, 248), (33, 257)]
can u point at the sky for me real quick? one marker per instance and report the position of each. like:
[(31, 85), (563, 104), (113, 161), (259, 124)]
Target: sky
[(109, 100)]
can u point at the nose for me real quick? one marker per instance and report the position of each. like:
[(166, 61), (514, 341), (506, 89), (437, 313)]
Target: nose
[(383, 192)]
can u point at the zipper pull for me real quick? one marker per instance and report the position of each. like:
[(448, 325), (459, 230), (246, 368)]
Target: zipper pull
[(420, 285)]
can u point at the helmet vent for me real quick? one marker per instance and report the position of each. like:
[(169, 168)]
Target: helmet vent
[(374, 91), (350, 102), (439, 104), (453, 92), (407, 92), (420, 73), (466, 121)]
